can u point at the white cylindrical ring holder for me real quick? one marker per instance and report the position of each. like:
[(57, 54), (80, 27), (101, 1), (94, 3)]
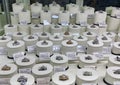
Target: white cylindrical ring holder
[(56, 29), (118, 37), (72, 7), (64, 17), (30, 40), (116, 48), (42, 70), (29, 79), (10, 29), (106, 40), (3, 44), (44, 46), (67, 35), (74, 29), (112, 75), (70, 78), (90, 12), (59, 60), (113, 24), (87, 60), (100, 17), (36, 29), (25, 62), (24, 17), (82, 29), (102, 29), (86, 75), (44, 36), (97, 47), (115, 11), (7, 70), (113, 61), (55, 9), (4, 40), (93, 28), (81, 18), (19, 35), (66, 47), (24, 28), (82, 40), (14, 47), (17, 7), (45, 16), (56, 39), (90, 35), (112, 35), (36, 9)]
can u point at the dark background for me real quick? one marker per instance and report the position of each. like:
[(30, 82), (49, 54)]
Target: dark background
[(97, 4)]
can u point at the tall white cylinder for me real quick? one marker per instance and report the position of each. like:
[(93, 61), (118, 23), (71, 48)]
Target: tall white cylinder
[(64, 17), (24, 17), (45, 16), (36, 9), (81, 18), (90, 12), (14, 18), (72, 7), (100, 17), (17, 7), (115, 11), (113, 24), (109, 10), (54, 8)]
